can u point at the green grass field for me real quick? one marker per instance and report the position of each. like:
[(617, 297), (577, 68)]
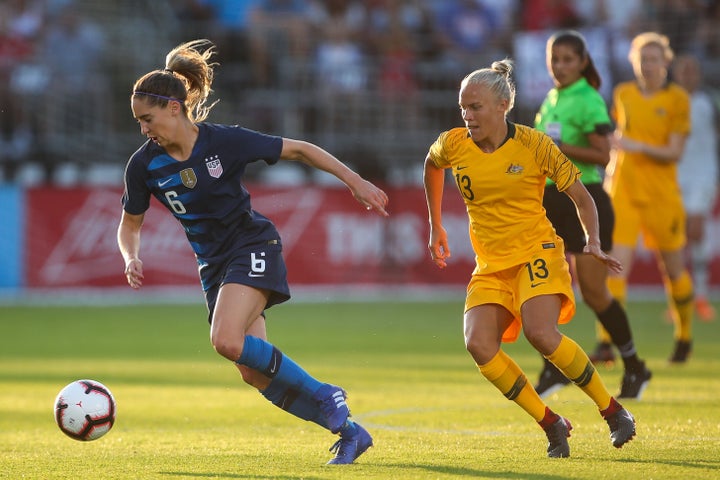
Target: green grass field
[(184, 413)]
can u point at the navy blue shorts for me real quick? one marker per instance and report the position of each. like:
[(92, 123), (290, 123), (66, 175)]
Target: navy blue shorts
[(262, 266), (563, 215)]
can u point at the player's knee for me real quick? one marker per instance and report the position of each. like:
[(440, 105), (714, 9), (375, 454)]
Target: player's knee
[(229, 348), (598, 298), (481, 349), (544, 340)]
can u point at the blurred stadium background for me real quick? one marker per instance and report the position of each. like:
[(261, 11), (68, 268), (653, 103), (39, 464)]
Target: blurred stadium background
[(372, 81)]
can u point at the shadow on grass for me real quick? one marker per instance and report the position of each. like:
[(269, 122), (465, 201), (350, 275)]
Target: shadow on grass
[(704, 464), (432, 470), (477, 473)]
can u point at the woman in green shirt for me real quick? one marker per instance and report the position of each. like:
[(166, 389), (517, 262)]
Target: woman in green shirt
[(575, 116)]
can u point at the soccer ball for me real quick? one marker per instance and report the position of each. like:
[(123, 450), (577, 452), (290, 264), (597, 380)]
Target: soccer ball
[(85, 410)]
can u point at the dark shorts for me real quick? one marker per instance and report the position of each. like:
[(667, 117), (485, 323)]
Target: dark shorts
[(261, 267), (562, 213)]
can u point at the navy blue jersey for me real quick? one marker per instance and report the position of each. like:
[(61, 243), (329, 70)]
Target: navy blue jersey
[(205, 192)]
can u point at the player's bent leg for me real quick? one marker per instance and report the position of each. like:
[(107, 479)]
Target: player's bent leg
[(484, 328), (506, 375), (575, 364), (235, 312)]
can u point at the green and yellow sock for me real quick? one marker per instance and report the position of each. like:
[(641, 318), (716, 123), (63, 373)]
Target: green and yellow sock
[(506, 375), (575, 364)]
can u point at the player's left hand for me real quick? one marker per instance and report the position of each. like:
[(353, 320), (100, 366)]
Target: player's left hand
[(372, 197), (624, 143), (612, 262)]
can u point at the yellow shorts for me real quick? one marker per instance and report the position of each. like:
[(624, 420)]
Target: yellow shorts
[(661, 223), (547, 273)]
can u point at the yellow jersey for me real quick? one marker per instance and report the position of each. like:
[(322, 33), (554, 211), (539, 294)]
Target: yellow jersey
[(651, 120), (503, 192)]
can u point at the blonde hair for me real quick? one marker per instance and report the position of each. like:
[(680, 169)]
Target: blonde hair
[(187, 78), (496, 79), (650, 38)]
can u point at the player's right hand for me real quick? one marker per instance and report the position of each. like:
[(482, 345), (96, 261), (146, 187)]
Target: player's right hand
[(134, 273), (438, 245)]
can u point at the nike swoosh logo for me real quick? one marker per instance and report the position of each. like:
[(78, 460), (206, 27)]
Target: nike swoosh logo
[(251, 274), (273, 368), (533, 285), (164, 182), (461, 167)]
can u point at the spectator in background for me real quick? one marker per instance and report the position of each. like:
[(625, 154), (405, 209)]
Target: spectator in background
[(279, 34), (83, 52), (340, 64), (548, 15), (623, 19), (230, 20), (709, 34), (679, 20), (198, 17), (469, 34), (75, 119), (698, 174), (22, 24), (397, 34), (388, 19)]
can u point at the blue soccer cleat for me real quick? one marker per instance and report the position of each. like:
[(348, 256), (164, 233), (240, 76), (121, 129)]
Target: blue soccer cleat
[(333, 405), (351, 446)]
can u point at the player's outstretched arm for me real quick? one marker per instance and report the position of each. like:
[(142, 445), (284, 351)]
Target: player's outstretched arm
[(372, 197)]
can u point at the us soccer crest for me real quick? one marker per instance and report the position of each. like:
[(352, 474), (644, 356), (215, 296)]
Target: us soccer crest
[(214, 166), (188, 177)]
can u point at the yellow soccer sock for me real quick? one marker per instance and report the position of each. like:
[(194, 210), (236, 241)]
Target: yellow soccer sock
[(681, 292), (575, 364), (618, 288), (506, 375)]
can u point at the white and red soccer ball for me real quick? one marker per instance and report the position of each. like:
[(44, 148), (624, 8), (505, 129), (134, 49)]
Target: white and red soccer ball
[(85, 410)]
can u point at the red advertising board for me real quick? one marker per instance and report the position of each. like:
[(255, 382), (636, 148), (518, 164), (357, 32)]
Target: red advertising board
[(328, 238)]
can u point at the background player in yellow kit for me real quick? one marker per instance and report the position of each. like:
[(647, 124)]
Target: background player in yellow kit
[(521, 278), (652, 119)]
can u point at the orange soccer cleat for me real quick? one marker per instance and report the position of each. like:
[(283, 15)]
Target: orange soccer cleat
[(704, 309)]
